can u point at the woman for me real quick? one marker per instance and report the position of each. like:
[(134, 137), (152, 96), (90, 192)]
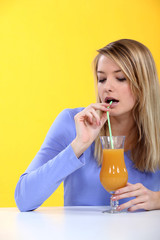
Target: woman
[(125, 73)]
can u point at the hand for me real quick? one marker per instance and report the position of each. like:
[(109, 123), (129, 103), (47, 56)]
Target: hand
[(144, 198), (88, 125)]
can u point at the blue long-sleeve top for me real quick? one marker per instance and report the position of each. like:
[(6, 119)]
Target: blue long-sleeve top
[(56, 162)]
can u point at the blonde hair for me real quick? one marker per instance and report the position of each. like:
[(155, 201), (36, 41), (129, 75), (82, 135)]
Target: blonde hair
[(137, 64)]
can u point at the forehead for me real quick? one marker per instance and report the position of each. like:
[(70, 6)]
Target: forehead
[(106, 64)]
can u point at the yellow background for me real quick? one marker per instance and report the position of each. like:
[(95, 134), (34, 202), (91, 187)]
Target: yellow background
[(46, 51)]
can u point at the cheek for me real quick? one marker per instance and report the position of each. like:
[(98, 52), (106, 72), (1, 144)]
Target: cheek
[(100, 90), (130, 98)]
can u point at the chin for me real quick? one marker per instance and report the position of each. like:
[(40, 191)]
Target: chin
[(120, 114)]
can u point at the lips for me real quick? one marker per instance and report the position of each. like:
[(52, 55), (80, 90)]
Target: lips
[(109, 99)]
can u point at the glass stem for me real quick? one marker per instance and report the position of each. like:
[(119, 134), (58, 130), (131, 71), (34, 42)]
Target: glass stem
[(113, 204)]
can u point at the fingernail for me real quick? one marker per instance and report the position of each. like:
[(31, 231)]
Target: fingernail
[(113, 198)]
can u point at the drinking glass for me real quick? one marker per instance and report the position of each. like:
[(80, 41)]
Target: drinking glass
[(113, 174)]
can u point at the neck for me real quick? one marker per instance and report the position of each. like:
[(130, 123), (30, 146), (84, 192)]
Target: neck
[(122, 126)]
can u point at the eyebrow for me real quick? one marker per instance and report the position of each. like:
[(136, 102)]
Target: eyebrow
[(116, 71)]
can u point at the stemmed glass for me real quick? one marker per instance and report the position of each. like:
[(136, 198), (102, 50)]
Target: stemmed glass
[(113, 174)]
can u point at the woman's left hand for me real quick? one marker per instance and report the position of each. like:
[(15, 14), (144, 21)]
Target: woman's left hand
[(143, 197)]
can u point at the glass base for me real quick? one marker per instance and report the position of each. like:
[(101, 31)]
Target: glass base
[(114, 211), (113, 206), (111, 211)]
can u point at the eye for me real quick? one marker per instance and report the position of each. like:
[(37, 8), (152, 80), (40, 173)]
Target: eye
[(121, 79), (102, 80)]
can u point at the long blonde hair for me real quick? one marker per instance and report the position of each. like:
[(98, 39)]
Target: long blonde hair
[(137, 64)]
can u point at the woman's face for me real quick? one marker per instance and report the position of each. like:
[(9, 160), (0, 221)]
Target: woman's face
[(113, 85)]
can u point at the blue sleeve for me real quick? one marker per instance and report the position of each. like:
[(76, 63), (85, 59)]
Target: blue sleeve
[(54, 161)]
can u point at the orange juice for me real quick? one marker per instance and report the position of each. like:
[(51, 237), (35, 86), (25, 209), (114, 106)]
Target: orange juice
[(113, 173)]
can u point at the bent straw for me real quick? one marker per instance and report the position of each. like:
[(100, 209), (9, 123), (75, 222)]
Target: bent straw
[(109, 125)]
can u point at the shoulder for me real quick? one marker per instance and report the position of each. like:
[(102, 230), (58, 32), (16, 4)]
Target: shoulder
[(65, 119), (63, 127), (73, 111), (70, 112)]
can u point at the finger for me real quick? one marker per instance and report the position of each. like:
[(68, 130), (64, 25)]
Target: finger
[(103, 119), (93, 108), (96, 116), (89, 117), (135, 193), (84, 115), (135, 201), (136, 207), (106, 105), (92, 117), (129, 184), (129, 188), (100, 106)]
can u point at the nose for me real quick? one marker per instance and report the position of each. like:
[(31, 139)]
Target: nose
[(109, 86)]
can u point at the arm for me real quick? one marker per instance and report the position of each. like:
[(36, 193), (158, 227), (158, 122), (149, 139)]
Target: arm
[(60, 155), (55, 160)]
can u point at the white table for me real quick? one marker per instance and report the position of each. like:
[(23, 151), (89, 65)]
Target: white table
[(74, 223)]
